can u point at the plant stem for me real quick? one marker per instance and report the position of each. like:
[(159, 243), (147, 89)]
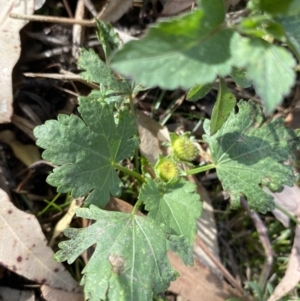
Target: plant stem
[(136, 207), (200, 169), (288, 214), (136, 153), (129, 172)]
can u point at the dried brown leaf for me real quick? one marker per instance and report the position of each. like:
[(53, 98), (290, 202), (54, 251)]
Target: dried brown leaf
[(152, 135), (27, 153), (115, 9), (64, 222), (25, 250), (288, 199), (116, 204), (10, 49), (53, 294), (174, 7), (292, 274), (206, 229), (199, 283), (7, 293)]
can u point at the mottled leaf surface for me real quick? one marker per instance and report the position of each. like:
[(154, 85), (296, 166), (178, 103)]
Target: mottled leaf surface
[(86, 148), (174, 204), (248, 153), (97, 71), (130, 259)]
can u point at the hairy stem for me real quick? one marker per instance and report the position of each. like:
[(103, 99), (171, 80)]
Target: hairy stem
[(200, 169), (129, 172), (136, 207)]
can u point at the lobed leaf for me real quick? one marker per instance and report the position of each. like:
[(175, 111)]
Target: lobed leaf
[(86, 150), (270, 67), (97, 71), (174, 204), (249, 154), (189, 50), (130, 259)]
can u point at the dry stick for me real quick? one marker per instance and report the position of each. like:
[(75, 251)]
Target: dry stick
[(68, 9), (58, 20), (67, 76), (51, 19), (78, 30), (90, 6), (219, 265), (263, 236)]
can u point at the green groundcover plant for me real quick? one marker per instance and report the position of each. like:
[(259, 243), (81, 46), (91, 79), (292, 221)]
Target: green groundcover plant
[(190, 52)]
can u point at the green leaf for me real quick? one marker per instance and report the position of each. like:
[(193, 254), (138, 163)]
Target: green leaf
[(291, 25), (174, 204), (260, 26), (226, 101), (130, 259), (186, 51), (240, 78), (278, 7), (248, 154), (103, 95), (108, 38), (198, 92), (270, 67), (86, 149), (256, 290), (97, 71)]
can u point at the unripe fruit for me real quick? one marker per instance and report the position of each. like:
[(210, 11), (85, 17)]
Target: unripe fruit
[(167, 169), (184, 149)]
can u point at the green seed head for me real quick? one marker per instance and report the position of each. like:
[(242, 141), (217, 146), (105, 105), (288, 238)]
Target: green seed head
[(184, 149), (167, 169)]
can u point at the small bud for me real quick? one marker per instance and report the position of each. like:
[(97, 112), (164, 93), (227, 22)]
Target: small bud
[(167, 169)]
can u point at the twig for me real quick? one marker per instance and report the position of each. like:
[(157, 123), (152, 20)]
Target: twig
[(263, 236), (51, 19), (77, 32), (90, 6), (68, 8), (71, 76), (219, 265)]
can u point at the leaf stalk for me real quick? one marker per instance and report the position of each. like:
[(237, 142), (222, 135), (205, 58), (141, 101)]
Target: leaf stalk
[(136, 207), (200, 169), (129, 172)]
